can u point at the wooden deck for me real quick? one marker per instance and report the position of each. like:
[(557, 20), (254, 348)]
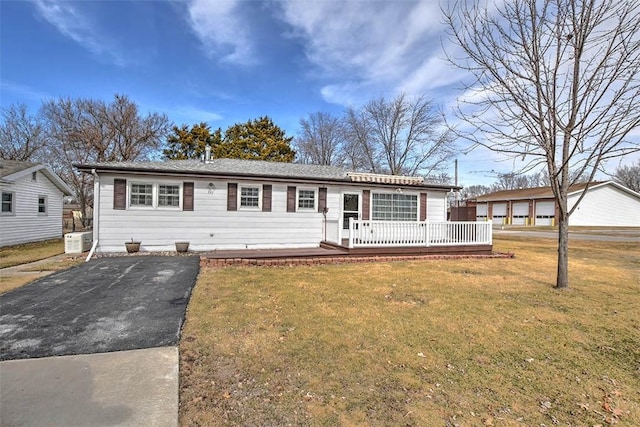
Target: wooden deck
[(330, 253)]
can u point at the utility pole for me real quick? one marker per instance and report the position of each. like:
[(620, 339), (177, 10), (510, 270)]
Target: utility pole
[(456, 181)]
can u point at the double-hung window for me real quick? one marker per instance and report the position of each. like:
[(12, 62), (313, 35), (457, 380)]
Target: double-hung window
[(394, 207), (42, 205), (306, 199), (249, 197), (169, 195), (8, 203), (141, 195)]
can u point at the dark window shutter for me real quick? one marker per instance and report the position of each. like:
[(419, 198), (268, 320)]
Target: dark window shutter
[(291, 199), (322, 199), (187, 196), (232, 197), (366, 202), (119, 194), (266, 198), (423, 206)]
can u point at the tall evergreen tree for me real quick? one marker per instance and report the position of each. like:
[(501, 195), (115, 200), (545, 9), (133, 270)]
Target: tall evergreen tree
[(258, 139), (189, 143)]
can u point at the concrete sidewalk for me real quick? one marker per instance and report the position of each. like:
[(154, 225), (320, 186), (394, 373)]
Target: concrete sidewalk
[(124, 388), (28, 268)]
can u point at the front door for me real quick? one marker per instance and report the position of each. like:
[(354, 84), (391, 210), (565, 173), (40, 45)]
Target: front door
[(350, 209)]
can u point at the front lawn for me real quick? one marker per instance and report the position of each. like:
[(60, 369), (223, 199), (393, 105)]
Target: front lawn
[(443, 342), (20, 255), (29, 252)]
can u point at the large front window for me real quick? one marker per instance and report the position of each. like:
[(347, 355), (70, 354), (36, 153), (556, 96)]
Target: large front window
[(394, 207), (141, 195)]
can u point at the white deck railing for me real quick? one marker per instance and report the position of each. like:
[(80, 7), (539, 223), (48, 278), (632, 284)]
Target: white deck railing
[(365, 233)]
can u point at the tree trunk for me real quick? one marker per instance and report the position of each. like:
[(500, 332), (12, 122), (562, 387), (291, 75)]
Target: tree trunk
[(562, 279)]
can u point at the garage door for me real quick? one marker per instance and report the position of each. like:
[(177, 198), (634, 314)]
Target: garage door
[(545, 213), (499, 213), (481, 212), (520, 213)]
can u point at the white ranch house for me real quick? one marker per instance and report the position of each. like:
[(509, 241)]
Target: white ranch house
[(230, 204), (32, 199)]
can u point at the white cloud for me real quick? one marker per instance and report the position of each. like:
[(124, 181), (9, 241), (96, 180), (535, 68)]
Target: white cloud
[(379, 46), (23, 91), (72, 23), (433, 72), (190, 114), (222, 30)]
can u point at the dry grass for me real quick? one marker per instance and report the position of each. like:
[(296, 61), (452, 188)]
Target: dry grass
[(9, 283), (23, 254), (603, 231), (465, 342), (29, 252), (27, 275), (56, 265)]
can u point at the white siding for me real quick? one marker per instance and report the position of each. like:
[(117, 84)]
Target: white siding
[(27, 225), (436, 206), (210, 225), (606, 206)]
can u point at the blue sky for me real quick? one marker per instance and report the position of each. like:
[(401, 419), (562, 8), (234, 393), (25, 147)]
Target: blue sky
[(228, 61)]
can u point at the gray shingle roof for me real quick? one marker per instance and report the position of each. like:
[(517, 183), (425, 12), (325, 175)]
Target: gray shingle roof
[(227, 167), (9, 167), (251, 168), (13, 169)]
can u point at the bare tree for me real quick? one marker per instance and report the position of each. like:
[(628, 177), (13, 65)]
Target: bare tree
[(629, 176), (400, 136), (88, 131), (513, 181), (320, 140), (439, 178), (555, 82), (473, 191), (22, 136), (360, 153)]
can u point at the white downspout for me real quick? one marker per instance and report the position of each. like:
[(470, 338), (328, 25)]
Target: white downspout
[(96, 213)]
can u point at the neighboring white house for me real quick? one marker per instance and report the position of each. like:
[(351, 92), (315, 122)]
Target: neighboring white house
[(242, 204), (607, 204), (32, 199)]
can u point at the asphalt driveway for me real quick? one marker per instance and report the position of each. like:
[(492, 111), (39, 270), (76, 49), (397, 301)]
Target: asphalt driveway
[(105, 305)]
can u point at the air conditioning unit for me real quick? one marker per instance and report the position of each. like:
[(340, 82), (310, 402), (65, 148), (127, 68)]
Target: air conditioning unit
[(77, 243)]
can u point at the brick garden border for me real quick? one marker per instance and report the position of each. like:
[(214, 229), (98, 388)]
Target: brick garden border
[(290, 262)]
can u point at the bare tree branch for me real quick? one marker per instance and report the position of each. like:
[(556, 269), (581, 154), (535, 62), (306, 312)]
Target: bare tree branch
[(554, 82), (89, 131), (22, 136)]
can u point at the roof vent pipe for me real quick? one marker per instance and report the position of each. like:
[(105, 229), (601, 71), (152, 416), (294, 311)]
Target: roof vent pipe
[(207, 153)]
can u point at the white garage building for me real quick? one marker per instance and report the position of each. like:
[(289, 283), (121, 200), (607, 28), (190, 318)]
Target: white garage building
[(606, 204)]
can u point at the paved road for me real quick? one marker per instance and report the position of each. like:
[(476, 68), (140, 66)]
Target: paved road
[(572, 236), (105, 305)]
